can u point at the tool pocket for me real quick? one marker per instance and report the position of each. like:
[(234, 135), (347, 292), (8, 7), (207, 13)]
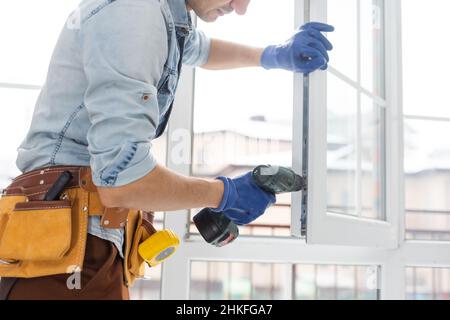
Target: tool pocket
[(144, 230), (34, 230)]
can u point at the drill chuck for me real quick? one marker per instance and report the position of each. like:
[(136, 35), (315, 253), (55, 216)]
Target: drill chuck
[(278, 179), (219, 231)]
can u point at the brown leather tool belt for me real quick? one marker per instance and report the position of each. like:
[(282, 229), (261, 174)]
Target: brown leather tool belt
[(36, 183), (40, 238)]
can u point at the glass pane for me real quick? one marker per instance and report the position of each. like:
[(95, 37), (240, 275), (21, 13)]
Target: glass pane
[(159, 148), (15, 119), (27, 50), (148, 288), (428, 283), (427, 180), (335, 282), (202, 281), (305, 282), (343, 16), (346, 283), (355, 155), (240, 121), (266, 281), (367, 283), (372, 160), (342, 144), (425, 86), (236, 280), (372, 45), (326, 282)]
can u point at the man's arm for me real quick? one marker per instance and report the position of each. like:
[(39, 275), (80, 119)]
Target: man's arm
[(228, 55), (305, 52), (164, 190)]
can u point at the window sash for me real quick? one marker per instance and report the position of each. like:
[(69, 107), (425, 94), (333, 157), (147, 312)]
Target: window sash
[(336, 229)]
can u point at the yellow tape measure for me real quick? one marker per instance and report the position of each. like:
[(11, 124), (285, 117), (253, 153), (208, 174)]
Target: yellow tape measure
[(159, 247)]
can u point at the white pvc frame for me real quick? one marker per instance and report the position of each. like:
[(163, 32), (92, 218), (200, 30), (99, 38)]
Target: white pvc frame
[(328, 228), (392, 262)]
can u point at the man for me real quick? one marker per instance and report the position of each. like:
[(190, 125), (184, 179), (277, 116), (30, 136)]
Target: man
[(109, 93)]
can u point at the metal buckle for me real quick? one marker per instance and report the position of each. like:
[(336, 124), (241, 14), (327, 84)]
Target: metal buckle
[(8, 262)]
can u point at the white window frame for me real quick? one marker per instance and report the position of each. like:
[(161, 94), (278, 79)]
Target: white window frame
[(392, 262), (338, 229)]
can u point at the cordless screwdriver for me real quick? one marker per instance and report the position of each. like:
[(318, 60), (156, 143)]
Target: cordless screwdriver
[(219, 231)]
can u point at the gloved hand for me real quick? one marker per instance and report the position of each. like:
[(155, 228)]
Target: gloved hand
[(305, 52), (243, 201)]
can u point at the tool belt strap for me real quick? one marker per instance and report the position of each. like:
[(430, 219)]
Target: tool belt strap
[(35, 184)]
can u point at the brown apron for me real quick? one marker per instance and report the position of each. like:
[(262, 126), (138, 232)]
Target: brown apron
[(102, 278)]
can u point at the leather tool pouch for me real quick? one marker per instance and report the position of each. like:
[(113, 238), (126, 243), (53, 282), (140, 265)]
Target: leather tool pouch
[(140, 228), (40, 238), (36, 231)]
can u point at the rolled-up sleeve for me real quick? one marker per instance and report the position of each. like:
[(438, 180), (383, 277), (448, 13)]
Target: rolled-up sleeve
[(197, 48), (124, 48)]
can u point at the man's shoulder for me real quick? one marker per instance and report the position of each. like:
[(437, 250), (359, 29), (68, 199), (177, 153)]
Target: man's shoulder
[(88, 9)]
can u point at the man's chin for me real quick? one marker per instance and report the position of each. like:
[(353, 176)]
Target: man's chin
[(210, 18)]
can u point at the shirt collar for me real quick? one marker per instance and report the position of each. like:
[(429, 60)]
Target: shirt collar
[(181, 16)]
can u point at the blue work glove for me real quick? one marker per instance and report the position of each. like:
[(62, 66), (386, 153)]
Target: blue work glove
[(243, 201), (305, 52)]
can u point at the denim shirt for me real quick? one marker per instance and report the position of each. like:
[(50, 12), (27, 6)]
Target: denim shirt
[(109, 91)]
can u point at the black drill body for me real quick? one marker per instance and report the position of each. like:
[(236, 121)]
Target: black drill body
[(218, 230)]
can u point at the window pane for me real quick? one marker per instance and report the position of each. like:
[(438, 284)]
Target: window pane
[(266, 281), (326, 282), (15, 119), (372, 160), (425, 87), (36, 26), (427, 180), (355, 157), (305, 282), (346, 282), (159, 148), (343, 15), (367, 283), (236, 280), (372, 45), (148, 288), (240, 121), (428, 283), (334, 282), (341, 139)]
